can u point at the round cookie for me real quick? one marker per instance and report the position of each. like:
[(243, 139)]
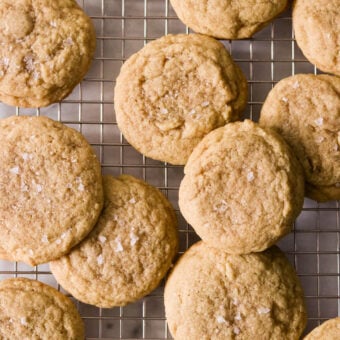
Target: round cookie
[(228, 19), (32, 310), (212, 295), (242, 188), (128, 252), (316, 26), (305, 110), (50, 189), (174, 91), (46, 48), (329, 330)]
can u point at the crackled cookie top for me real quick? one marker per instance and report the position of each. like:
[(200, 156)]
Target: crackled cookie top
[(174, 91), (305, 110), (46, 47), (128, 252), (242, 188), (317, 25), (329, 330), (211, 295), (32, 310), (50, 189), (228, 19)]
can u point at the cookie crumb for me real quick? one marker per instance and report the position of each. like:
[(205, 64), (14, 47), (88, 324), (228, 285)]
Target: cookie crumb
[(100, 259), (119, 246), (319, 121), (14, 170), (102, 239), (205, 104), (263, 310), (23, 321), (221, 319), (236, 330), (250, 176)]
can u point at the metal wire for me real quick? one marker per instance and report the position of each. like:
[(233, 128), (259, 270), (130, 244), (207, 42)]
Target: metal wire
[(123, 27)]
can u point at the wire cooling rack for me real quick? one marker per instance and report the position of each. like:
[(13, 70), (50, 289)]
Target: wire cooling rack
[(123, 27)]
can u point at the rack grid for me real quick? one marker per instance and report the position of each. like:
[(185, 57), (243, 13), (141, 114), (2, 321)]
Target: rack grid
[(123, 27)]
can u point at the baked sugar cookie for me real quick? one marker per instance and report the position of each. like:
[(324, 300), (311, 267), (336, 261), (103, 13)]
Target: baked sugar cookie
[(305, 110), (317, 26), (50, 189), (329, 330), (228, 19), (46, 48), (174, 91), (128, 252), (211, 295), (32, 310), (242, 188)]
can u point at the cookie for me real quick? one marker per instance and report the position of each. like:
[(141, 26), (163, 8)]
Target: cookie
[(228, 19), (128, 252), (305, 110), (316, 26), (329, 330), (50, 189), (32, 310), (242, 188), (212, 295), (46, 48), (174, 91)]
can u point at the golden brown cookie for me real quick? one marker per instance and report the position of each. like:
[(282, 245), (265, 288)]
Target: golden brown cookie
[(174, 91), (46, 48), (32, 310), (329, 330), (317, 26), (242, 188), (228, 19), (128, 252), (305, 110), (211, 295), (50, 189)]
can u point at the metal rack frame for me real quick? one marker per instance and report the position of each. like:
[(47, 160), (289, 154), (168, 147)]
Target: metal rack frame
[(123, 27)]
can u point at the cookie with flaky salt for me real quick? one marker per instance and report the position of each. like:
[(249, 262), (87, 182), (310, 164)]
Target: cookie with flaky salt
[(51, 190), (242, 188), (212, 295), (128, 252), (46, 48), (305, 110)]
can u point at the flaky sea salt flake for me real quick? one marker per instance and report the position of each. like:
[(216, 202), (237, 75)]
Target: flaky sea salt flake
[(236, 330), (100, 259), (39, 188), (263, 310), (133, 238), (250, 176), (119, 246), (296, 85), (205, 104), (164, 111), (238, 316), (14, 170), (68, 42), (221, 319), (284, 99), (102, 239), (132, 200), (23, 321), (319, 121), (53, 24), (44, 239)]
